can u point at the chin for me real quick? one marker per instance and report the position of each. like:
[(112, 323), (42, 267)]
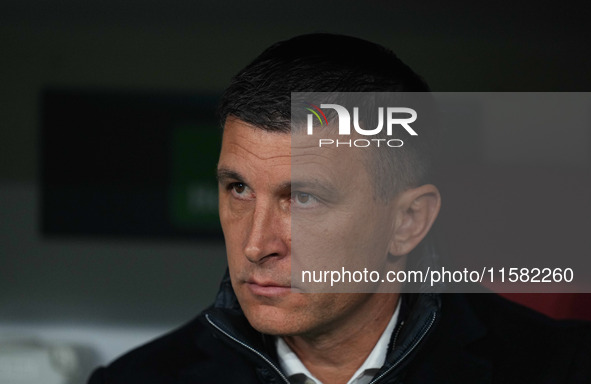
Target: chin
[(272, 320)]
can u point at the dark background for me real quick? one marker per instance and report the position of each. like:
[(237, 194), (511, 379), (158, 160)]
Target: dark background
[(156, 47)]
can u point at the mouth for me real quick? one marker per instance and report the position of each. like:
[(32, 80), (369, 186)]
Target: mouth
[(267, 288)]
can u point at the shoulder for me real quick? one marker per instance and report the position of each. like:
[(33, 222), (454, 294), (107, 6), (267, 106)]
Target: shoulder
[(524, 328), (194, 352), (517, 343), (190, 353), (158, 360)]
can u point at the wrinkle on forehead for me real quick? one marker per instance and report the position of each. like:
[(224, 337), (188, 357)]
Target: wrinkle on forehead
[(331, 155), (258, 155), (241, 138)]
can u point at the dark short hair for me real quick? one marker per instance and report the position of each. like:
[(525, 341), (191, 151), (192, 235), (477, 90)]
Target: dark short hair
[(260, 94)]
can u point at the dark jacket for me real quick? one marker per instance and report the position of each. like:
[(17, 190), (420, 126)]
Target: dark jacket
[(445, 338)]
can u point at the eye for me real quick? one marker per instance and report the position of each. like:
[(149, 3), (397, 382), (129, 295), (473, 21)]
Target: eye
[(303, 199), (239, 188), (240, 191)]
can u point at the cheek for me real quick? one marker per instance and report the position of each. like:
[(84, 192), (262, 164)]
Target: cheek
[(233, 238), (341, 241), (232, 220), (296, 314), (231, 208)]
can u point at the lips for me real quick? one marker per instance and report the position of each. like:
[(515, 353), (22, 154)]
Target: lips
[(267, 288)]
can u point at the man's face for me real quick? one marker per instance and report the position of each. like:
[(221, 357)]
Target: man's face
[(337, 215)]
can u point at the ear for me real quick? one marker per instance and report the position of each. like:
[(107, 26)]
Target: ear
[(415, 212)]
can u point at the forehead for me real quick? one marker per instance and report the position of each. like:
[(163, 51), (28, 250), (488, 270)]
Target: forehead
[(244, 140), (245, 144), (257, 154)]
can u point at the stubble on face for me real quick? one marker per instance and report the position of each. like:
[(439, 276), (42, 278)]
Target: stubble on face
[(255, 202)]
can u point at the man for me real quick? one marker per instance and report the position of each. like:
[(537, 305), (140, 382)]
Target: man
[(273, 188)]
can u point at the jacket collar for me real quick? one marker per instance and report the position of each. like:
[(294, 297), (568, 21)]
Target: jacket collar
[(421, 317)]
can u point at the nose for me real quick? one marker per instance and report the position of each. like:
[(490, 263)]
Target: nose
[(269, 232)]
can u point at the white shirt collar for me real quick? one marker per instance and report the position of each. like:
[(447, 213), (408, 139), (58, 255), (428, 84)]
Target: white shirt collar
[(298, 373)]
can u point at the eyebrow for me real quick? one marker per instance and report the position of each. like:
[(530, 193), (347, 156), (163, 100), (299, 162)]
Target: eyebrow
[(223, 174), (323, 186)]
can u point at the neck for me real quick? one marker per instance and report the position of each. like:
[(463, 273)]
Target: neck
[(334, 356)]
